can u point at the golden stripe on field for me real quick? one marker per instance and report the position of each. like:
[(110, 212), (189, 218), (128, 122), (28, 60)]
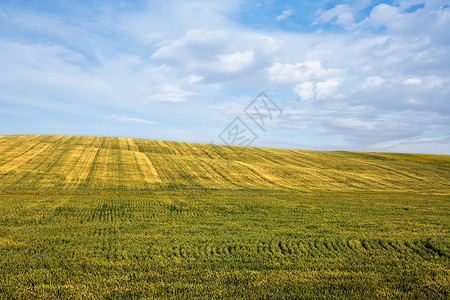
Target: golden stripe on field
[(106, 172), (82, 162), (24, 158), (132, 145), (264, 174), (16, 147), (146, 167), (209, 173), (50, 161), (169, 150), (123, 144)]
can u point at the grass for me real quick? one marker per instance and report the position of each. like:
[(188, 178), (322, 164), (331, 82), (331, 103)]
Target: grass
[(93, 217)]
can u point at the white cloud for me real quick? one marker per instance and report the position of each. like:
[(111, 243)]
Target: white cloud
[(285, 14), (54, 71), (170, 93), (129, 119), (294, 73), (321, 90), (305, 90), (427, 82), (328, 88), (365, 125), (175, 18), (388, 16), (341, 15), (215, 54), (398, 93), (370, 82), (412, 80), (235, 62), (194, 45), (194, 78), (419, 144)]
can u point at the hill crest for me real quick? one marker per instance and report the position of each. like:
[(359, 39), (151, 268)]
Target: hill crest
[(79, 163)]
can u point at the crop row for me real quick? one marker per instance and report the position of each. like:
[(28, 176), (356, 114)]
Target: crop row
[(349, 248)]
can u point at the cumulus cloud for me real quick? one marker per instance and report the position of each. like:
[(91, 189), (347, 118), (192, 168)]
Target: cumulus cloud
[(388, 16), (379, 81), (327, 88), (317, 91), (293, 73), (305, 90), (234, 62), (211, 53)]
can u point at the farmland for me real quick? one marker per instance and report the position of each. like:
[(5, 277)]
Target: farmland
[(100, 217)]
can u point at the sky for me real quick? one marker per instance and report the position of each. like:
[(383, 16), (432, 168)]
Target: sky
[(332, 75)]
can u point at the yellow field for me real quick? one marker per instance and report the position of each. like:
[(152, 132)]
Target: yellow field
[(120, 218), (85, 163)]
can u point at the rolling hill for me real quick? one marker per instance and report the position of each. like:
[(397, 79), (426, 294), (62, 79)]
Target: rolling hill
[(100, 217), (76, 163)]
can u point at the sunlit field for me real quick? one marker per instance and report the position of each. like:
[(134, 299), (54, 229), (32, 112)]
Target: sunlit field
[(95, 217)]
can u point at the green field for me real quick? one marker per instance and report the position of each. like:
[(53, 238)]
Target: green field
[(95, 218)]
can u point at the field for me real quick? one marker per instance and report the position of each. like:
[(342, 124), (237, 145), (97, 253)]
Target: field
[(100, 217)]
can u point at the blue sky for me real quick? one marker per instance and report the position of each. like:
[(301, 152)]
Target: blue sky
[(347, 75)]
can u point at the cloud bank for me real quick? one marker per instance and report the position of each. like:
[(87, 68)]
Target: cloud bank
[(353, 76)]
